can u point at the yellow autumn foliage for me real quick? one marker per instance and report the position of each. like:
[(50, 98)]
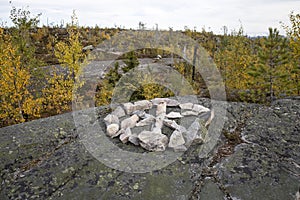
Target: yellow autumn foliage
[(17, 104), (63, 84)]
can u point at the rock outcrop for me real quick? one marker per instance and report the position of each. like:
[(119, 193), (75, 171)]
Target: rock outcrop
[(257, 157)]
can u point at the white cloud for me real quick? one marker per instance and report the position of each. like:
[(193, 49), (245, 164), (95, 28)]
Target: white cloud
[(256, 15)]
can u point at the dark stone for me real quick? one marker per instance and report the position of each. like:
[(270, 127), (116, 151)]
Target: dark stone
[(257, 157)]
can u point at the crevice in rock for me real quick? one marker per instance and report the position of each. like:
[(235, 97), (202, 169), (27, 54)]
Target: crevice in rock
[(67, 180), (225, 149), (33, 163)]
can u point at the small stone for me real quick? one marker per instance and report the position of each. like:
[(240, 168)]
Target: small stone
[(176, 139), (111, 119), (124, 137), (172, 124), (119, 112), (143, 105), (174, 115), (193, 134), (159, 122), (129, 122), (88, 48), (129, 108), (120, 132), (169, 102), (186, 106), (161, 109), (136, 186), (147, 121), (112, 130), (153, 141), (156, 130), (22, 175), (134, 139), (140, 113), (180, 148), (212, 115), (189, 113), (200, 109)]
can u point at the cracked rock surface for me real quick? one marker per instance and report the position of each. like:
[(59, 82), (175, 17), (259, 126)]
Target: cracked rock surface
[(257, 157)]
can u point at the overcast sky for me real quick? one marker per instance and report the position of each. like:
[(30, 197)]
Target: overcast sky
[(254, 15)]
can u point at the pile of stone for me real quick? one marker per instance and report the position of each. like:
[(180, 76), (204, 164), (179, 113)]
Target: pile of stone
[(149, 117)]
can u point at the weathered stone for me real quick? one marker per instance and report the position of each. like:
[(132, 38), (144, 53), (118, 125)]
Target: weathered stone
[(199, 108), (119, 112), (88, 48), (124, 137), (143, 105), (153, 141), (174, 115), (265, 166), (193, 134), (129, 108), (169, 102), (159, 122), (147, 121), (189, 113), (211, 116), (111, 119), (134, 139), (161, 109), (176, 139), (180, 148), (138, 129), (129, 122), (186, 106), (172, 124), (140, 113), (112, 130)]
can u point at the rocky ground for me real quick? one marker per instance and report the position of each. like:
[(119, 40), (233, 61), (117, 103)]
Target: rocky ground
[(257, 157)]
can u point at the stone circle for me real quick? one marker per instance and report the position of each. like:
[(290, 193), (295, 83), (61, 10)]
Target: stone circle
[(153, 115)]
